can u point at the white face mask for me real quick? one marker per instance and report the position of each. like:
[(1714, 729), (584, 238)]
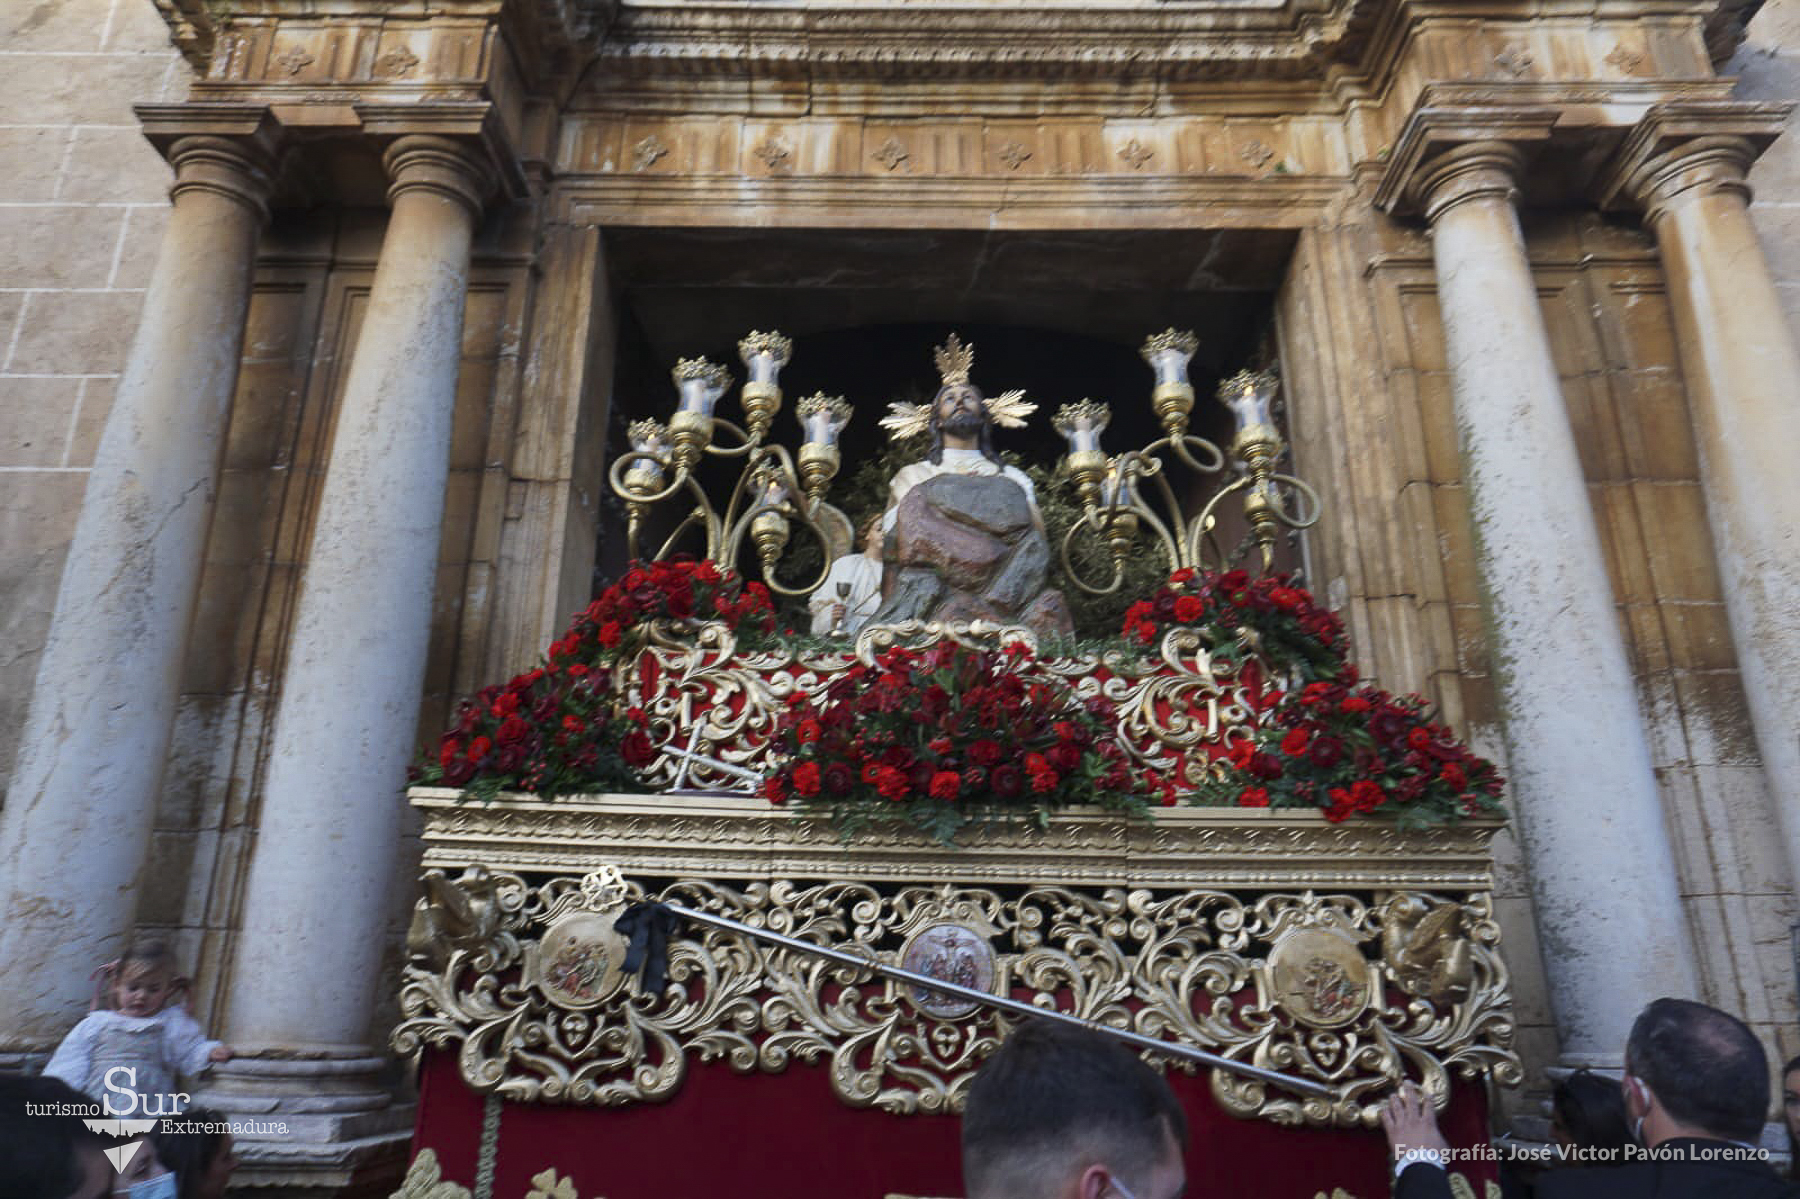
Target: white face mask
[(160, 1187)]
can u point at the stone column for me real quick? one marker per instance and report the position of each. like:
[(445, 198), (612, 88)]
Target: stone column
[(1686, 165), (1602, 870), (307, 960), (83, 797)]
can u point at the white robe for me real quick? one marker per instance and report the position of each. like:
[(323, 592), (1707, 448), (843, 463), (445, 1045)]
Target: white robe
[(863, 575)]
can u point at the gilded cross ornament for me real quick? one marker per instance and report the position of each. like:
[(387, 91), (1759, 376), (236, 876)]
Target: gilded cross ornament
[(1136, 153), (645, 154), (891, 154)]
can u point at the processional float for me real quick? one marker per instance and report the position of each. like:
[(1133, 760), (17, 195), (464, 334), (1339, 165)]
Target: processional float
[(852, 862)]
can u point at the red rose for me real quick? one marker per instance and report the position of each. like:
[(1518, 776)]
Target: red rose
[(1036, 763), (512, 731), (775, 789), (806, 779), (839, 778), (1182, 577), (1341, 806), (478, 748), (1065, 756), (1294, 744), (945, 784), (706, 572), (1240, 752), (1188, 609), (1044, 780), (637, 750), (808, 731), (610, 633), (1006, 781), (985, 752), (1234, 581), (1367, 796), (1265, 766), (1253, 797), (449, 751), (506, 704), (1453, 774), (1354, 703), (1418, 739)]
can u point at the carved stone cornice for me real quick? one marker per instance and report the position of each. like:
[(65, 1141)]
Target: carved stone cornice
[(1444, 152), (1680, 146), (746, 837), (999, 202), (1296, 38)]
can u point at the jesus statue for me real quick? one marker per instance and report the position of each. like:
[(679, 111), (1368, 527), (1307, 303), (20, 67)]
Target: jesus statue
[(965, 538)]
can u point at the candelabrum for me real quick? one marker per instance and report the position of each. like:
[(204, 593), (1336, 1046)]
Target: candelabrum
[(1111, 488), (775, 490)]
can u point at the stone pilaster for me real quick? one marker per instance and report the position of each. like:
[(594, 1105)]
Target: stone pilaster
[(83, 797), (1686, 166), (307, 960), (1612, 923)]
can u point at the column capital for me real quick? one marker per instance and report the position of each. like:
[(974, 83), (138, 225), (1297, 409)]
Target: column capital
[(442, 166), (1445, 155), (1679, 147), (230, 150), (455, 147)]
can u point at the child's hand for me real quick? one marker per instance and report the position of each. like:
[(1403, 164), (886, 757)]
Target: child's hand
[(221, 1053)]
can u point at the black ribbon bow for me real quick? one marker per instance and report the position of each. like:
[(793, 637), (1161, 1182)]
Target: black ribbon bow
[(649, 927)]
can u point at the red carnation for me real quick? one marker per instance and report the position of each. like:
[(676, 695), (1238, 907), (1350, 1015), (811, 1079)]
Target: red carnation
[(1294, 744), (1453, 774), (1325, 752), (808, 731), (478, 748), (1006, 781), (945, 784), (775, 789), (610, 634), (1188, 609), (1253, 797), (1354, 703), (1064, 755), (512, 731), (1044, 780), (890, 783), (449, 751), (1367, 796), (806, 779)]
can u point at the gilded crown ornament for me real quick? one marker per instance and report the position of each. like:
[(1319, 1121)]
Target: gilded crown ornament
[(954, 360)]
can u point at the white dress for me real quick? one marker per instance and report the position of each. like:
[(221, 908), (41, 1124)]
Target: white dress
[(156, 1049), (862, 574)]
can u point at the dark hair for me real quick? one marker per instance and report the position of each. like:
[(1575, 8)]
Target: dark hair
[(1591, 1110), (1054, 1098), (40, 1155), (189, 1154), (1704, 1066), (986, 442), (1793, 1173)]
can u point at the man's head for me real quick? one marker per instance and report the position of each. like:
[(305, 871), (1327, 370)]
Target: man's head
[(959, 411), (48, 1156), (1692, 1070), (1063, 1113)]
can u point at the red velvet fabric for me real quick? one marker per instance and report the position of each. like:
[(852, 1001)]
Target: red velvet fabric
[(758, 1136)]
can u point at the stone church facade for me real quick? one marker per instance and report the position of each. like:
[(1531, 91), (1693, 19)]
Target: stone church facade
[(326, 431)]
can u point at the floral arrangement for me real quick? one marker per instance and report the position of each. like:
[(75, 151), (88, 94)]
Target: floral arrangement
[(1271, 617), (563, 726), (1350, 749), (949, 736)]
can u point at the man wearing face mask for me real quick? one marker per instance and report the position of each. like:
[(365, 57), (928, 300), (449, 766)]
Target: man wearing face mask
[(1696, 1090)]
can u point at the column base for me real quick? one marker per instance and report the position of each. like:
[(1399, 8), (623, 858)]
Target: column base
[(321, 1127)]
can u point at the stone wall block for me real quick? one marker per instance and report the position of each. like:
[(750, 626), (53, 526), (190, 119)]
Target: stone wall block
[(1681, 560), (1699, 636), (42, 90), (89, 331), (1622, 542), (86, 239), (113, 165), (35, 420), (1718, 722), (1654, 425)]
